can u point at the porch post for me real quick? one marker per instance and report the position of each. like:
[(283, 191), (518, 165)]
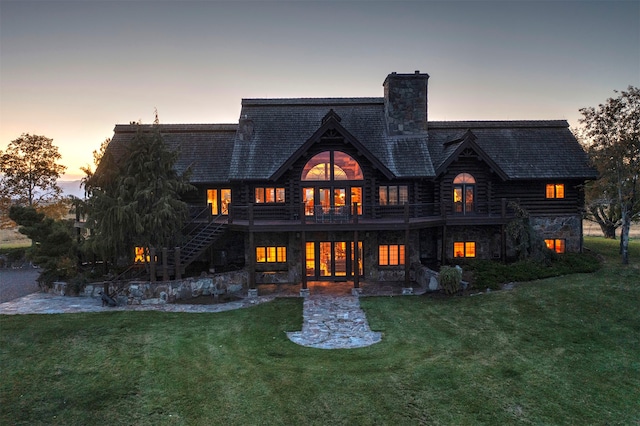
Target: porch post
[(356, 261), (407, 258), (252, 261), (303, 252)]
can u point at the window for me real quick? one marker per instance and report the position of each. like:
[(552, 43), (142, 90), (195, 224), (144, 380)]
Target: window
[(219, 200), (269, 195), (139, 255), (393, 195), (555, 190), (556, 245), (391, 254), (332, 165), (271, 254), (464, 249), (464, 188)]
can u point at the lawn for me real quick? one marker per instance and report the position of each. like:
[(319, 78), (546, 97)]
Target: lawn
[(563, 350)]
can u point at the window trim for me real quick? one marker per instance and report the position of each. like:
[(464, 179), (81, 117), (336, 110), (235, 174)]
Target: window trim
[(385, 189)]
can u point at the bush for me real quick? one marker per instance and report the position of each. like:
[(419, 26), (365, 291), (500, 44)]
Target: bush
[(450, 278), (488, 274)]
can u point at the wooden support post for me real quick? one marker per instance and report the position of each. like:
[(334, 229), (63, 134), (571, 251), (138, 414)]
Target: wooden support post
[(165, 264), (303, 251), (152, 264), (176, 261), (407, 257), (356, 259), (252, 261)]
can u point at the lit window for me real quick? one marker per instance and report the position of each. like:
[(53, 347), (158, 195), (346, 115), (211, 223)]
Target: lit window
[(219, 200), (269, 195), (393, 195), (555, 190), (557, 245), (271, 254), (139, 255), (464, 188), (332, 165), (391, 255), (464, 249)]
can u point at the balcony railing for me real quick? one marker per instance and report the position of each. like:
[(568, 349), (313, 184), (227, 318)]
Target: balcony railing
[(354, 214)]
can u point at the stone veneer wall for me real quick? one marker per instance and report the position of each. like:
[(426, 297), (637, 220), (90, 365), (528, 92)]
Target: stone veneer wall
[(568, 228), (145, 292), (488, 240)]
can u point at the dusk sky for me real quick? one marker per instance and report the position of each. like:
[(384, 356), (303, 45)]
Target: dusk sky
[(71, 70)]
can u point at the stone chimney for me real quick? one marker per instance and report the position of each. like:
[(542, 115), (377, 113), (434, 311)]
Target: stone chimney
[(405, 103)]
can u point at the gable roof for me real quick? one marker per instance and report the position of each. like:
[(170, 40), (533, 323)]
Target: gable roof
[(331, 121), (282, 126), (521, 149), (452, 149)]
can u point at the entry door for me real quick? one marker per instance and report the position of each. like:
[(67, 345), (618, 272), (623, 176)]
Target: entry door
[(331, 259)]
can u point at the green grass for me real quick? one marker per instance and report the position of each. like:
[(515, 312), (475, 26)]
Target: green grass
[(563, 350)]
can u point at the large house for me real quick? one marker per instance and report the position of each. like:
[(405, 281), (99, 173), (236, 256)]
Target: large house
[(334, 189)]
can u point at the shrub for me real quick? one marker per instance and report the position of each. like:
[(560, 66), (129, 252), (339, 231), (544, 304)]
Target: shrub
[(488, 274), (450, 278)]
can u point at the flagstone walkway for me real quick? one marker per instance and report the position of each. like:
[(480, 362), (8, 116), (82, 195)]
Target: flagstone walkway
[(334, 322)]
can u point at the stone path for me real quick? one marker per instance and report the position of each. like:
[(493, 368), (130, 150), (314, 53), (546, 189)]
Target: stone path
[(334, 322), (329, 321), (44, 303)]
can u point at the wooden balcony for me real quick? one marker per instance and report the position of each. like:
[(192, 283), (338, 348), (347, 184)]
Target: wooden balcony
[(364, 217)]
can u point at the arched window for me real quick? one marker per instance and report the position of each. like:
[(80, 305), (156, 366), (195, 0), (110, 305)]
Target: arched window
[(464, 189), (331, 184), (332, 165)]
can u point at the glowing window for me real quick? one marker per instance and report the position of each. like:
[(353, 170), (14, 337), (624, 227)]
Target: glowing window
[(140, 255), (269, 195), (332, 165), (555, 190), (557, 245), (464, 249), (464, 178), (271, 254), (391, 254), (219, 200)]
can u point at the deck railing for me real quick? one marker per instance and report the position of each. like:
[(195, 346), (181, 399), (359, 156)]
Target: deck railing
[(355, 213)]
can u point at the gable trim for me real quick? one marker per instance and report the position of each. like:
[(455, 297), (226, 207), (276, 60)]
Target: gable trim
[(331, 121), (468, 141)]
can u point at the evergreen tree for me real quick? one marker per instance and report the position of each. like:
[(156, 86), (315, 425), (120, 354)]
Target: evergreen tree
[(136, 201)]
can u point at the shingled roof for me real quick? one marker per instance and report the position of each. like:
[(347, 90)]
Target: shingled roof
[(272, 130), (205, 148), (522, 149), (281, 126)]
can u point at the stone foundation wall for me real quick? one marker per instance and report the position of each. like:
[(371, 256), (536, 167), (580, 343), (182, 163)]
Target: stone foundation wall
[(568, 228), (488, 240)]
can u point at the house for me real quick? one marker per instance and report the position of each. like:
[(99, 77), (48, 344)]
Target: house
[(357, 189)]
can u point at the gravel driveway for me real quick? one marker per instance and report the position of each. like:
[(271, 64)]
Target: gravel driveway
[(16, 283)]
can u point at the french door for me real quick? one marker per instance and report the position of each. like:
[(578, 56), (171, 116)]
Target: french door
[(327, 260)]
